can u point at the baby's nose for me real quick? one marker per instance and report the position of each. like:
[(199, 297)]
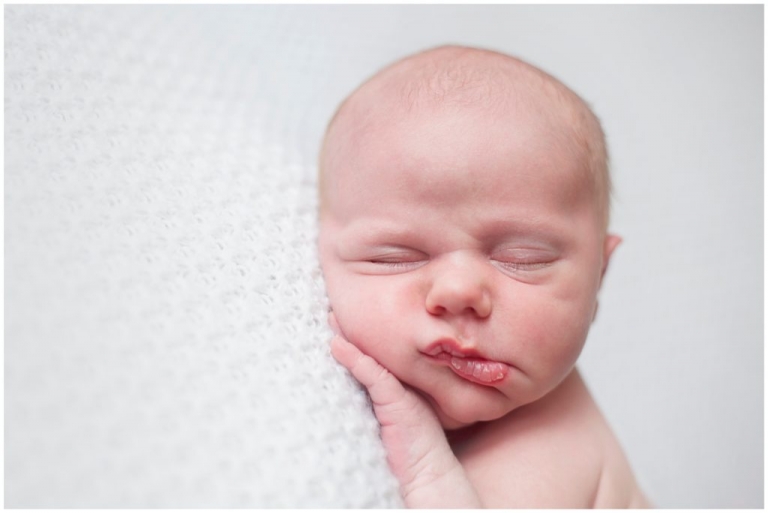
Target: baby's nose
[(459, 289)]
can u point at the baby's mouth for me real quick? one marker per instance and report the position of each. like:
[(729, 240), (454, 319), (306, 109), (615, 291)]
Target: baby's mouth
[(467, 364)]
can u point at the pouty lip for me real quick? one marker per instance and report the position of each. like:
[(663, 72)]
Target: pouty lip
[(467, 362)]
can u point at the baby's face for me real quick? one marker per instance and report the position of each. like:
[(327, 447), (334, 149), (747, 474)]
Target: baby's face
[(463, 251)]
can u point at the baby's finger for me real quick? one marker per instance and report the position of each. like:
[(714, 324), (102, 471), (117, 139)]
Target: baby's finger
[(383, 387)]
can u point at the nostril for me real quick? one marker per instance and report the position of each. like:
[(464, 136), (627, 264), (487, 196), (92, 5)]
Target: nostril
[(436, 310)]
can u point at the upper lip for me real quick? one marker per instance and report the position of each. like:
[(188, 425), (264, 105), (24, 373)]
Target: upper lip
[(452, 347)]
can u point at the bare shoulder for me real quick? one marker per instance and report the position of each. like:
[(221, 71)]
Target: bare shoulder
[(556, 453)]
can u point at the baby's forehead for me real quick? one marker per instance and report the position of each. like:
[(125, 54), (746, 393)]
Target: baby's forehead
[(397, 118)]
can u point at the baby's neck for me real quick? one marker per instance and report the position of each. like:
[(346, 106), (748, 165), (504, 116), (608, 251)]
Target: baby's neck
[(457, 437)]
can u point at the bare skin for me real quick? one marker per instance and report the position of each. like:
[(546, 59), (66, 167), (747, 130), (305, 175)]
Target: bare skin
[(562, 454), (463, 245), (555, 453)]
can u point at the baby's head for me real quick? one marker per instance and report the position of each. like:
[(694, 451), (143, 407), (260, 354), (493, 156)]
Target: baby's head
[(452, 79), (464, 206)]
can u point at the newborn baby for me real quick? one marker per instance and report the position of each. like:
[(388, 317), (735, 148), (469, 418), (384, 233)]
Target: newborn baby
[(464, 199)]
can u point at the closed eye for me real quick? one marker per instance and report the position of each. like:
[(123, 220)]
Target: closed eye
[(524, 260), (394, 263)]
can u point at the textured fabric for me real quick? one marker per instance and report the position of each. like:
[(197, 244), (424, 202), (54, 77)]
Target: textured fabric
[(165, 331)]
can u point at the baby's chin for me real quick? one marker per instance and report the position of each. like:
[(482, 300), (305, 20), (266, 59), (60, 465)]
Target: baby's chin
[(463, 420), (457, 412)]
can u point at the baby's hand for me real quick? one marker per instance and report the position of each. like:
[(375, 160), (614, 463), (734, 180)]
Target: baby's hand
[(418, 452)]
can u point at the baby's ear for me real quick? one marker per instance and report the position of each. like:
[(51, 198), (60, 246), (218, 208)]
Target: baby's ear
[(610, 244)]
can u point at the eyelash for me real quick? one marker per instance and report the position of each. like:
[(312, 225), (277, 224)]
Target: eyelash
[(395, 264), (389, 264), (523, 266)]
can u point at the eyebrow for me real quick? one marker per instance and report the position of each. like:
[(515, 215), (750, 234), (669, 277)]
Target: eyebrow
[(371, 232), (503, 228)]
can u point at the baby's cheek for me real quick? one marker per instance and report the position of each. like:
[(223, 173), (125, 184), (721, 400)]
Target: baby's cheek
[(375, 313), (362, 306), (562, 340), (546, 333)]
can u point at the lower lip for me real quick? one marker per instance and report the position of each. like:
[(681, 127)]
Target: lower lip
[(476, 370)]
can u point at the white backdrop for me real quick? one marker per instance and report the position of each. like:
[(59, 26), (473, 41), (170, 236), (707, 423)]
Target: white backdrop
[(675, 358)]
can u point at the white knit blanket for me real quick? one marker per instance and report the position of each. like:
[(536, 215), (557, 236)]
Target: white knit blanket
[(165, 331)]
